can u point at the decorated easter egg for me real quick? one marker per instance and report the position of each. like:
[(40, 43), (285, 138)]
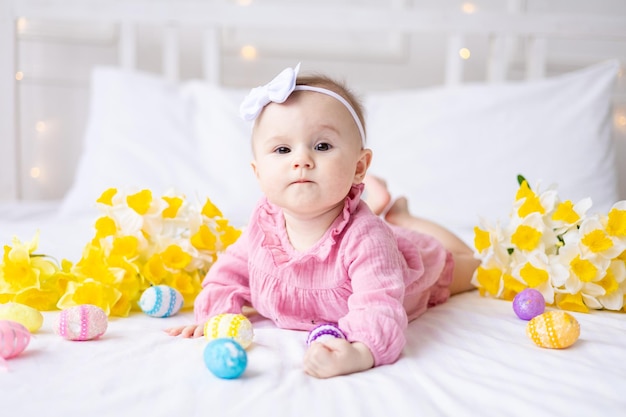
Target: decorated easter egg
[(161, 301), (82, 322), (14, 337), (553, 329), (225, 358), (323, 332), (29, 317), (528, 304), (234, 326)]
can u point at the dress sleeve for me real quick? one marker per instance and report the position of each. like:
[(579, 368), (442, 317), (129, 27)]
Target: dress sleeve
[(225, 288), (376, 315)]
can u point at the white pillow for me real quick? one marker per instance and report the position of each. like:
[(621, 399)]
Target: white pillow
[(456, 152), (224, 145), (140, 135)]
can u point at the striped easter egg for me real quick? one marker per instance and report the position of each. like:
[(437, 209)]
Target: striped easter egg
[(324, 332), (82, 322), (233, 326), (161, 301), (553, 330), (14, 337)]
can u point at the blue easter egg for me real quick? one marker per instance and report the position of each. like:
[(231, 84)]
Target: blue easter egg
[(225, 358)]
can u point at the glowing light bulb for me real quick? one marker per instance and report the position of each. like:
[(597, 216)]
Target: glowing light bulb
[(35, 172), (19, 76), (464, 53), (40, 127), (248, 52), (468, 7), (22, 24)]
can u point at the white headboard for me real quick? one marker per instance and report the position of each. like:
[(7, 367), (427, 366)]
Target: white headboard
[(49, 47)]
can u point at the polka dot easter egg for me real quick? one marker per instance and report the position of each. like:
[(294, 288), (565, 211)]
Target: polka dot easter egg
[(83, 322), (29, 317), (233, 326), (528, 304), (553, 330), (225, 358), (14, 337), (161, 301)]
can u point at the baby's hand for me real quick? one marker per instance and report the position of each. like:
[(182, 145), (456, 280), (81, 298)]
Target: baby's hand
[(192, 330), (334, 357)]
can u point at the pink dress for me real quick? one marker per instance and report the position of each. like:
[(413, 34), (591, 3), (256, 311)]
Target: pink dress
[(364, 275)]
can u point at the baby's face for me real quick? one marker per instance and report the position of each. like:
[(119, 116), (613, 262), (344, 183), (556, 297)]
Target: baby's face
[(307, 153)]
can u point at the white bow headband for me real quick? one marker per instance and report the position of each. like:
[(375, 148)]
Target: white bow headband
[(279, 89)]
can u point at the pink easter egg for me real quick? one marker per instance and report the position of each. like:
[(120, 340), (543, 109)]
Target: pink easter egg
[(83, 322), (14, 338)]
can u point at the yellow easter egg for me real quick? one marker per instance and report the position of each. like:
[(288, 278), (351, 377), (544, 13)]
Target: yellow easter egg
[(27, 316), (234, 326), (553, 330)]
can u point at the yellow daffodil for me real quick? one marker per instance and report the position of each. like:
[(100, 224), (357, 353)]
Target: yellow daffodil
[(26, 277), (138, 241), (90, 291)]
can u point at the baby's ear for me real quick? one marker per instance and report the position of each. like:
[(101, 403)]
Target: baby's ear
[(253, 166), (362, 165)]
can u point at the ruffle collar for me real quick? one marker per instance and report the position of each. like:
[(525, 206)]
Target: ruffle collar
[(275, 239)]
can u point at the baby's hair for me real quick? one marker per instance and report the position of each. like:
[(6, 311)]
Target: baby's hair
[(323, 81)]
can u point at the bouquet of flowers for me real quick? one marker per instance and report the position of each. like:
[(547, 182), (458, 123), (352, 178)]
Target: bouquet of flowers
[(576, 260), (139, 241)]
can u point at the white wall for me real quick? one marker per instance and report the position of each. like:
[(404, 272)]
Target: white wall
[(56, 60)]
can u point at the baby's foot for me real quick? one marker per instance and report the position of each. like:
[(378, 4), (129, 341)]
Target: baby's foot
[(398, 213), (376, 195)]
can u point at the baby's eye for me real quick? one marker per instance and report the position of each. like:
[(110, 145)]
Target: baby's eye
[(323, 147), (282, 149)]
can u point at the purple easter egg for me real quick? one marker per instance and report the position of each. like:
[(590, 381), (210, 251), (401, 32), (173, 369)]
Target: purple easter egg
[(528, 304)]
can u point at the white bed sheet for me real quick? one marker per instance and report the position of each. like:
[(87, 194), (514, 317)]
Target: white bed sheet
[(469, 356)]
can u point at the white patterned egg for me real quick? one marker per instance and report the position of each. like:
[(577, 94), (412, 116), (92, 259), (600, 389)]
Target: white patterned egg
[(161, 301), (228, 325), (82, 322)]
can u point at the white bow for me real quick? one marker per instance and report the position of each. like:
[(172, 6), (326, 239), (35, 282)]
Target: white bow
[(276, 91)]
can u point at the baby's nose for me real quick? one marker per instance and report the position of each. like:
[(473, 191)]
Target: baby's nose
[(302, 160)]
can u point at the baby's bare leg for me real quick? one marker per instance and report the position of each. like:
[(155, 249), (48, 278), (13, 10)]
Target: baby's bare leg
[(464, 261), (376, 195)]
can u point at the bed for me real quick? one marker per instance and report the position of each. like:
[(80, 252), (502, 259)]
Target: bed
[(529, 108)]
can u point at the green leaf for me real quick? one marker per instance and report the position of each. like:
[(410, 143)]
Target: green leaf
[(521, 179)]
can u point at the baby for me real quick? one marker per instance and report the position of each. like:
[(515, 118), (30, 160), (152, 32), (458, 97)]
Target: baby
[(314, 252)]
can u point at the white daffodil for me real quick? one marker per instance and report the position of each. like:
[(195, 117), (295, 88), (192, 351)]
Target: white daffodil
[(528, 201), (530, 233), (539, 271), (586, 270), (613, 285), (577, 261), (594, 239), (567, 215)]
